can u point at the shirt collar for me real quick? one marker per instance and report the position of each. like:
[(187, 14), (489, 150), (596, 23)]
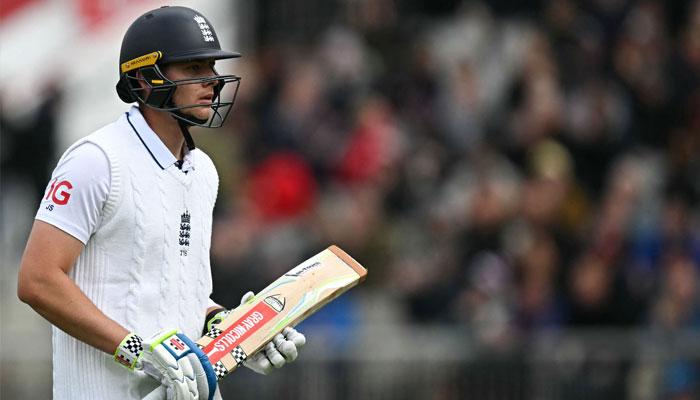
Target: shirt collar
[(156, 148)]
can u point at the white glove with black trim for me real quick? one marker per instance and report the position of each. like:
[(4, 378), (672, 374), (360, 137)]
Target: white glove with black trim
[(174, 360), (283, 348)]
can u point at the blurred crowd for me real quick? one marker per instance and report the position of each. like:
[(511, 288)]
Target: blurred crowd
[(511, 168)]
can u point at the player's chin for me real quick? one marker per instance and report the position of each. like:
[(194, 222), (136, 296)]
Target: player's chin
[(201, 112)]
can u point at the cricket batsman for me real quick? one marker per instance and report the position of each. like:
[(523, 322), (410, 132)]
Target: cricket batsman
[(118, 256)]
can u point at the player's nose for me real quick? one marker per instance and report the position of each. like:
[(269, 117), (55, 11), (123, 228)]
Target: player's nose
[(212, 82)]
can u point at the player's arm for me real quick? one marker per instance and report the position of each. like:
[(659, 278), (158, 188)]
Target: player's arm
[(44, 285), (67, 216)]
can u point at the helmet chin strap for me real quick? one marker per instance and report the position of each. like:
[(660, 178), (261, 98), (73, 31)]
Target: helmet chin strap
[(185, 122), (185, 129)]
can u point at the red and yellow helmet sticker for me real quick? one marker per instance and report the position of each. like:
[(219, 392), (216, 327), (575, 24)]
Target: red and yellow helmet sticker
[(142, 61)]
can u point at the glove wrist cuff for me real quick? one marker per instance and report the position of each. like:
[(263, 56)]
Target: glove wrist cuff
[(129, 351), (214, 318)]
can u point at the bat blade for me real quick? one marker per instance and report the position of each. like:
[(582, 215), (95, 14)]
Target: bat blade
[(285, 302)]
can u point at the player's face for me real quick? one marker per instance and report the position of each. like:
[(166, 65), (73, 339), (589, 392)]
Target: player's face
[(198, 93)]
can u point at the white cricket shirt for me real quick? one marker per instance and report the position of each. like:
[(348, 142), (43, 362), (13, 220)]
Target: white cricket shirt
[(80, 183), (146, 226)]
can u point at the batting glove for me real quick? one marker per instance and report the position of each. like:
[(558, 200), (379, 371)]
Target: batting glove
[(173, 359), (283, 348)]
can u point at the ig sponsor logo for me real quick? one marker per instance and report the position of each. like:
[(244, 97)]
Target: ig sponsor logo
[(58, 193)]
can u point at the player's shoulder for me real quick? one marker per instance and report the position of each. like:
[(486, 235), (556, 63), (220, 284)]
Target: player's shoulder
[(88, 152), (109, 133), (84, 152), (96, 149), (84, 161), (101, 137)]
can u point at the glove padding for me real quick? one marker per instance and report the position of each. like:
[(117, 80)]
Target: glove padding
[(283, 348), (180, 366)]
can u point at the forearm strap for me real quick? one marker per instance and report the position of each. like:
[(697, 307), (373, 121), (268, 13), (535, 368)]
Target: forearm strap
[(129, 351)]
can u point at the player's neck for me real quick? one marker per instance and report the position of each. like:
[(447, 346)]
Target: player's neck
[(167, 129)]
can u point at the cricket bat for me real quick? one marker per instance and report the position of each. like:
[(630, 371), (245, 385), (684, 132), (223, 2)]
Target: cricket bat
[(285, 302)]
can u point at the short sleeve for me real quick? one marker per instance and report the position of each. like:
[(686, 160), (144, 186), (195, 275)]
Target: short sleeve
[(75, 196)]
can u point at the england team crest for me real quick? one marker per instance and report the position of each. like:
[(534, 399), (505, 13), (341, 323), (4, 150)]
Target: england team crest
[(184, 239)]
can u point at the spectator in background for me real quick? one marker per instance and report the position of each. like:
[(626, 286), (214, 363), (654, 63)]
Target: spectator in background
[(574, 81), (29, 143)]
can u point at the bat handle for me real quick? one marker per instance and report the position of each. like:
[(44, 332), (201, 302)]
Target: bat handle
[(159, 393)]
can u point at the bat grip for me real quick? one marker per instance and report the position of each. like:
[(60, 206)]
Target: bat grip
[(159, 393)]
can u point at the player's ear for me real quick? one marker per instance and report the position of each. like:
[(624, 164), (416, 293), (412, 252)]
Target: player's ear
[(151, 80), (141, 79)]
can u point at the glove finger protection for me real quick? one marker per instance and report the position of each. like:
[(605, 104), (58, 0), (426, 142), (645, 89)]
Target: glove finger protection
[(200, 374), (267, 359), (177, 375), (288, 343), (166, 392), (180, 365), (273, 354), (260, 363), (247, 297), (295, 336), (285, 347)]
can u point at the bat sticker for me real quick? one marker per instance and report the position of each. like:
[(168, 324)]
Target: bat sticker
[(302, 269), (239, 331), (276, 301)]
